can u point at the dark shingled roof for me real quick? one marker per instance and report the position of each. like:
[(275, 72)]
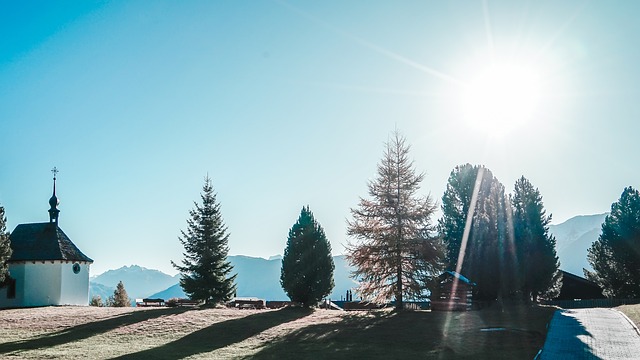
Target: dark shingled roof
[(576, 287), (43, 241)]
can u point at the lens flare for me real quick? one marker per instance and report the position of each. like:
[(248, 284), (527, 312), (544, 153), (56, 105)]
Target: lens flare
[(501, 97)]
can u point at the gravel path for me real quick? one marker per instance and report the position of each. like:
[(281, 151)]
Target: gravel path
[(591, 334)]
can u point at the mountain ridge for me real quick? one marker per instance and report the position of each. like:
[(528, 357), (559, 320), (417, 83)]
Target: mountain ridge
[(573, 239), (138, 281), (256, 277)]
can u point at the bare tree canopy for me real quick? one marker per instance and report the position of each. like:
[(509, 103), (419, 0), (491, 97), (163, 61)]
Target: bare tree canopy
[(394, 252)]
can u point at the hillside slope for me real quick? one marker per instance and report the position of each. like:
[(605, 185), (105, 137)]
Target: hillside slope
[(573, 238)]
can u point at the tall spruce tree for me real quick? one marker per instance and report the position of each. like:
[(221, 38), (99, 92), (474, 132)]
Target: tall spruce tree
[(615, 256), (395, 254), (205, 270), (456, 202), (487, 256), (539, 273), (5, 246), (307, 266)]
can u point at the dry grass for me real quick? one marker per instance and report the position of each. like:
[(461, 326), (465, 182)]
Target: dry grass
[(103, 333), (632, 311)]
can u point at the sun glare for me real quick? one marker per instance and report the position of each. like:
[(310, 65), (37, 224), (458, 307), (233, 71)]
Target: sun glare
[(500, 98)]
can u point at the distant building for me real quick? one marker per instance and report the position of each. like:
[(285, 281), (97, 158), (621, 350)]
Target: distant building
[(454, 292), (576, 287), (46, 268)]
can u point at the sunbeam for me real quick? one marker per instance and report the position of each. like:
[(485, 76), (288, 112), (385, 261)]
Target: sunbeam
[(544, 49), (379, 90), (487, 25), (463, 244), (380, 50), (469, 221)]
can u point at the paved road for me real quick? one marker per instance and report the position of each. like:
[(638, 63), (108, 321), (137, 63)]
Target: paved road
[(591, 334)]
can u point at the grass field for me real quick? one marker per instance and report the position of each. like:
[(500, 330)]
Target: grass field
[(632, 311), (166, 333)]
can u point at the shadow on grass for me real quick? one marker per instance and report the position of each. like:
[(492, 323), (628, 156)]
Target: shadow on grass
[(378, 334), (84, 331), (417, 335), (220, 335)]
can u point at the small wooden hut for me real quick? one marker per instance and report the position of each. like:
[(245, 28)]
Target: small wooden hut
[(576, 287), (454, 292)]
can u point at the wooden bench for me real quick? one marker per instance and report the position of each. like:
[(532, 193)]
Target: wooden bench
[(187, 302), (247, 303), (278, 304), (149, 302), (174, 302)]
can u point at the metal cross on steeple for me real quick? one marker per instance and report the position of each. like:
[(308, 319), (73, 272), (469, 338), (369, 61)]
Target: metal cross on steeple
[(53, 212)]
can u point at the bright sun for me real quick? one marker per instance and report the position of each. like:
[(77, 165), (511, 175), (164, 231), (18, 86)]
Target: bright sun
[(500, 98)]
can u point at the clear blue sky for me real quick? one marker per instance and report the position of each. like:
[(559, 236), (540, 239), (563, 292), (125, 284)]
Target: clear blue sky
[(289, 103)]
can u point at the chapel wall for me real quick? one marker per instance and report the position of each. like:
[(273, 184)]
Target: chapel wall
[(74, 286), (16, 272), (42, 283)]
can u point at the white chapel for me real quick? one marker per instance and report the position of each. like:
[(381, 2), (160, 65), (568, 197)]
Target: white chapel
[(46, 268)]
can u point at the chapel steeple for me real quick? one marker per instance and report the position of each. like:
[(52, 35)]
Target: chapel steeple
[(53, 201)]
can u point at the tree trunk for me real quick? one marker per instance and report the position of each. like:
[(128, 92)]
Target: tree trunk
[(399, 302)]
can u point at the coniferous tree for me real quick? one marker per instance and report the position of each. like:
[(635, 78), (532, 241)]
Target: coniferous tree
[(96, 301), (456, 202), (119, 297), (615, 256), (475, 198), (539, 273), (307, 266), (396, 255), (5, 246), (205, 270)]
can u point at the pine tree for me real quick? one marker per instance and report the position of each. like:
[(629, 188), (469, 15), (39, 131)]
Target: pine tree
[(119, 297), (205, 269), (456, 202), (615, 256), (5, 246), (487, 256), (395, 254), (96, 301), (307, 266), (536, 247)]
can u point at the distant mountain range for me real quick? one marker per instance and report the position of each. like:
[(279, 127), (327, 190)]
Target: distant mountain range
[(258, 277), (573, 238), (138, 281)]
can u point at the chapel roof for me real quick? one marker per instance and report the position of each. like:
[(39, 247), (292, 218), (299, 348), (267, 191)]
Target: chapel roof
[(43, 241)]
